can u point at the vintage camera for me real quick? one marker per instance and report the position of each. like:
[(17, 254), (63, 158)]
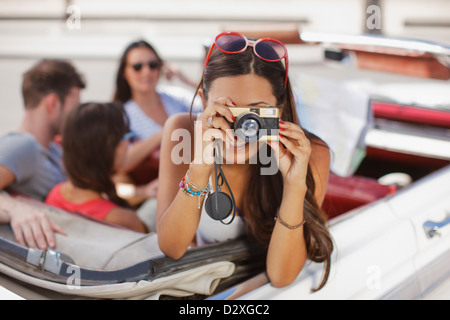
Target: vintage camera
[(256, 123)]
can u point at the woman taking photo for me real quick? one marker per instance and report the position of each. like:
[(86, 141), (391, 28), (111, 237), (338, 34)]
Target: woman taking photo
[(280, 211)]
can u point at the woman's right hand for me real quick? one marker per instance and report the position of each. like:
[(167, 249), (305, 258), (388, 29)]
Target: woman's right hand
[(212, 124)]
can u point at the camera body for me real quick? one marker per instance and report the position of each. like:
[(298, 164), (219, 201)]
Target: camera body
[(256, 123)]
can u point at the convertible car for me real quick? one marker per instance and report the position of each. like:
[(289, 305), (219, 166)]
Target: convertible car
[(388, 200)]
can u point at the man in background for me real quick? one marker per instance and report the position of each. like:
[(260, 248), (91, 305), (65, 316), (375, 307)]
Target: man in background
[(30, 159)]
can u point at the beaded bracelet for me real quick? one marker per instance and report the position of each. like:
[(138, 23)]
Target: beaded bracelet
[(193, 184), (278, 218), (193, 190)]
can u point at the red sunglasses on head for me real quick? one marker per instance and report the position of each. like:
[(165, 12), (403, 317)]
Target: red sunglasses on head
[(267, 49)]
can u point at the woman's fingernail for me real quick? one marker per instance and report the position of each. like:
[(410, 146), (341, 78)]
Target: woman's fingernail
[(281, 121), (234, 104), (282, 129), (234, 119)]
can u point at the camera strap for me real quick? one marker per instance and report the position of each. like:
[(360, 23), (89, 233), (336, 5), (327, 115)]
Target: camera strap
[(220, 205)]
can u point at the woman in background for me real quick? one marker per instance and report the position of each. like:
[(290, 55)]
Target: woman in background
[(147, 105), (95, 141)]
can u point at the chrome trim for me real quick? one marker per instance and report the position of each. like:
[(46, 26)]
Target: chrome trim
[(408, 143), (433, 228), (48, 260), (53, 261), (35, 257), (378, 41)]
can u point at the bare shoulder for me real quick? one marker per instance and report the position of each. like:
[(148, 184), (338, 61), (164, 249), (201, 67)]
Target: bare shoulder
[(125, 217), (177, 128), (320, 166), (320, 153), (179, 121)]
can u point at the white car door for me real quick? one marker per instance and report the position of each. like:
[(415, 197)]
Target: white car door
[(428, 209), (383, 250)]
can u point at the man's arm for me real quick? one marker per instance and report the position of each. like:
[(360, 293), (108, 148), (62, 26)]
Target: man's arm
[(6, 177), (31, 226)]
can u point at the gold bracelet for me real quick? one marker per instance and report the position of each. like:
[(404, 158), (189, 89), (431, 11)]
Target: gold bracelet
[(278, 218)]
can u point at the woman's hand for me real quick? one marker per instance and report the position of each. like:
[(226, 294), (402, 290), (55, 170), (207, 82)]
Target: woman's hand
[(150, 190), (211, 124), (294, 157)]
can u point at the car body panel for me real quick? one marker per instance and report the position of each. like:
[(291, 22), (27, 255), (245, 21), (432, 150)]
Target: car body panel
[(382, 251)]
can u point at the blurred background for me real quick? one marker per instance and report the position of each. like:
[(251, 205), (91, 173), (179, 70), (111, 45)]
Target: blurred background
[(93, 34)]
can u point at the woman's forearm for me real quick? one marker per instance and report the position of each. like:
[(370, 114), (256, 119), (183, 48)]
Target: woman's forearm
[(140, 150), (179, 222), (287, 249)]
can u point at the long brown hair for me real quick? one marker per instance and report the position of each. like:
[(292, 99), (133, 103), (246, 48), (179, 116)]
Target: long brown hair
[(263, 193), (123, 90), (91, 134)]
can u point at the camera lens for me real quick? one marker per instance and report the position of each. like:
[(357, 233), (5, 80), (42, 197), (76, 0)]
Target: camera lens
[(250, 128), (247, 127)]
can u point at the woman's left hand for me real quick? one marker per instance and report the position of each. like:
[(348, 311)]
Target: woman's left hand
[(293, 158)]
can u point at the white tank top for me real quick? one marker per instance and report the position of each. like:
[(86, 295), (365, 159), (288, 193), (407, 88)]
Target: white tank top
[(210, 230)]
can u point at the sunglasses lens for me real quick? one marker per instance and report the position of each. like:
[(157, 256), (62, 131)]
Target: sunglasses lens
[(153, 65), (270, 50), (231, 43), (137, 66), (267, 49)]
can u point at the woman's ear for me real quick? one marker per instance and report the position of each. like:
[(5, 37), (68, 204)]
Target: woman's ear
[(200, 94)]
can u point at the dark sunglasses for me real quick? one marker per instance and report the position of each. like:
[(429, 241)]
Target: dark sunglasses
[(153, 65), (267, 49)]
